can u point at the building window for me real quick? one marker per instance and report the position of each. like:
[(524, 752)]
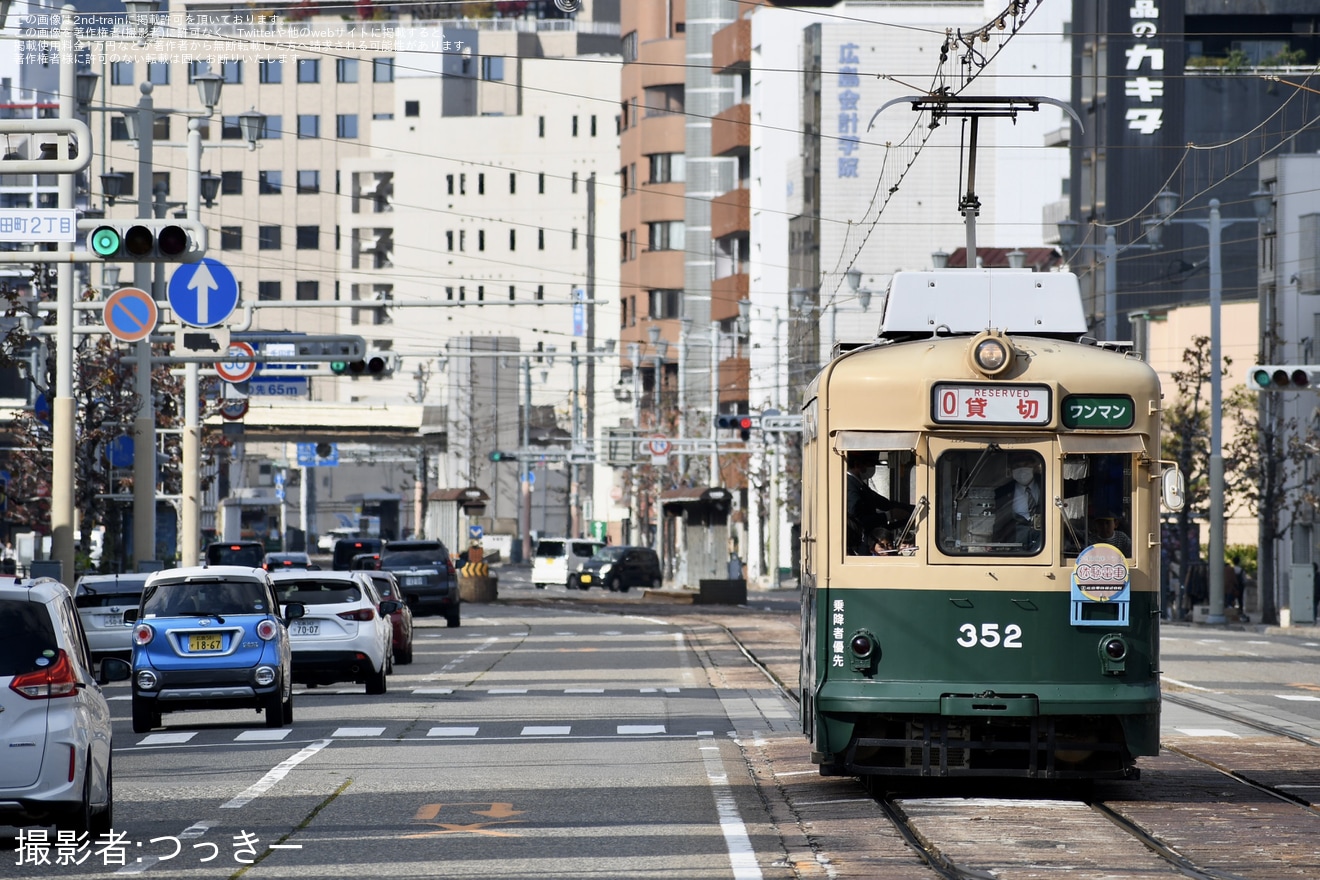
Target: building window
[(229, 129), (308, 238), (272, 128), (513, 182), (309, 70), (512, 297), (160, 181), (346, 125), (270, 70), (382, 70), (540, 183), (573, 184), (346, 70), (412, 108), (308, 290), (309, 181), (158, 73), (268, 290), (593, 125), (269, 182), (540, 126), (449, 239), (632, 244), (663, 100), (268, 238), (667, 168), (231, 238), (118, 129), (481, 184), (121, 73), (232, 71), (160, 129), (663, 303), (492, 67), (481, 239), (665, 235), (309, 125), (231, 183), (540, 239), (513, 239), (630, 47), (540, 293)]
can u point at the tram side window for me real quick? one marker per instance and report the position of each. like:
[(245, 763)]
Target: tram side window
[(879, 494), (991, 501), (1097, 502)]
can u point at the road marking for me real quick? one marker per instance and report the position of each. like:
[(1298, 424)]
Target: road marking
[(742, 857), (547, 730), (276, 773), (636, 729), (507, 691), (1298, 698), (452, 731), (166, 739), (584, 690), (1206, 732), (263, 735), (358, 731), (433, 690)]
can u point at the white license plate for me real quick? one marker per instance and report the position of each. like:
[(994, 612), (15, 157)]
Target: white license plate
[(305, 629), (112, 620), (415, 581)]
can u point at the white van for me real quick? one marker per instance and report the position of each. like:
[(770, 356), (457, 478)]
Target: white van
[(556, 558)]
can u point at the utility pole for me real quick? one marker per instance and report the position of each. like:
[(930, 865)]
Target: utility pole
[(589, 483), (525, 512), (62, 408), (144, 423)]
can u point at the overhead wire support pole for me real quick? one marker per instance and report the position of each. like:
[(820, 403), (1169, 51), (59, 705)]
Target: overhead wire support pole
[(190, 526), (62, 484), (144, 423)]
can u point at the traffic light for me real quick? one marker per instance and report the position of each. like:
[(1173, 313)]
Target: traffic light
[(741, 423), (156, 241), (374, 364), (1284, 377), (503, 456)]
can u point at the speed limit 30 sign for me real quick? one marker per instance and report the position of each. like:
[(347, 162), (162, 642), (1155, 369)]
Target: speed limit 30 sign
[(237, 370)]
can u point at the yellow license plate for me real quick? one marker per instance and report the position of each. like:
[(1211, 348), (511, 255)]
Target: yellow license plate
[(205, 643), (585, 578)]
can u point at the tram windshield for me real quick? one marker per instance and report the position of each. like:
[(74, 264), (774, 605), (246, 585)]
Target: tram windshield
[(994, 501)]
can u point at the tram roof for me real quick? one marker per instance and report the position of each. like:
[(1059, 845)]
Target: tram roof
[(962, 301)]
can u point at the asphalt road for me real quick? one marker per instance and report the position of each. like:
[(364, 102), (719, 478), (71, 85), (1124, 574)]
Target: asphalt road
[(531, 742)]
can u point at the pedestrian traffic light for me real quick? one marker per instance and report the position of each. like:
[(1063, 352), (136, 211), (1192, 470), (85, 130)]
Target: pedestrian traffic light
[(1284, 377), (156, 241)]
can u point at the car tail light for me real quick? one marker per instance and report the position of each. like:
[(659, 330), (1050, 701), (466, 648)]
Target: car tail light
[(359, 614), (267, 629), (56, 680), (143, 634), (449, 566)]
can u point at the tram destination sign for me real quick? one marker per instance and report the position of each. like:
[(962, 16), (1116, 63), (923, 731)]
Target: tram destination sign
[(967, 403), (1113, 411)]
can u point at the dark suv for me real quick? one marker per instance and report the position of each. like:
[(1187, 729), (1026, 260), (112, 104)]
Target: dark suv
[(426, 576), (620, 568), (248, 554)]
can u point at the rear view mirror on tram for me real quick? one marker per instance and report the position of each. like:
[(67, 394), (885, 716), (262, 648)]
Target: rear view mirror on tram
[(1173, 491)]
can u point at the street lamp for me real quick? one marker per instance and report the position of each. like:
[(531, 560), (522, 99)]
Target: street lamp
[(854, 278), (1166, 204), (1067, 242)]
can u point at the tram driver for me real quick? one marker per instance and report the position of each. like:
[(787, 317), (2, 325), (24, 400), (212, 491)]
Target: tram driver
[(1020, 502), (868, 510)]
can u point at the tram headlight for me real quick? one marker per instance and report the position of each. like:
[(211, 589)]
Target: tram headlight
[(991, 353), (864, 648), (1113, 651)]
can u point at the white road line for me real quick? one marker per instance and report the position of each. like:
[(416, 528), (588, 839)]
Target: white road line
[(192, 832), (1187, 684), (263, 735), (433, 690), (639, 729), (547, 730), (742, 857), (507, 691), (584, 690), (452, 731), (276, 773), (166, 739), (358, 731), (1206, 731), (1298, 698)]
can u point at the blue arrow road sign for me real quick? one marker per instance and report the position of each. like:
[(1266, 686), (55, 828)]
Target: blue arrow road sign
[(476, 532), (203, 294), (307, 456)]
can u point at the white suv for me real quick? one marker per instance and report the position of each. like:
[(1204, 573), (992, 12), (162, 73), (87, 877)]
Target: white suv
[(346, 620), (556, 559), (55, 734)]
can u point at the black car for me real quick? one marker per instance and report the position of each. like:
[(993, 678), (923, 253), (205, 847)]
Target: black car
[(619, 568), (346, 548), (426, 576), (248, 554)]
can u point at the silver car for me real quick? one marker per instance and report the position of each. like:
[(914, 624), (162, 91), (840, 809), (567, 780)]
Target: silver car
[(54, 722), (102, 600)]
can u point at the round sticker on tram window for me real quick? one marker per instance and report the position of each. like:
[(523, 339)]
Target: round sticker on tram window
[(1101, 572)]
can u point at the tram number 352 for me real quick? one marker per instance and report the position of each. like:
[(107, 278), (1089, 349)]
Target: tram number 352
[(990, 636)]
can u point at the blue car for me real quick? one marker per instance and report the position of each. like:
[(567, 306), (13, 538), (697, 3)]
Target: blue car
[(211, 638)]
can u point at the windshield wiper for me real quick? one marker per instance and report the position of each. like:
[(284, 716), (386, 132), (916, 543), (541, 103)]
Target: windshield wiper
[(976, 469), (218, 618)]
